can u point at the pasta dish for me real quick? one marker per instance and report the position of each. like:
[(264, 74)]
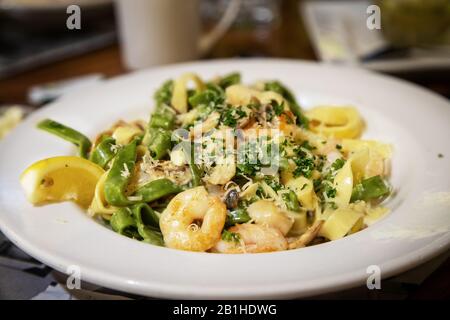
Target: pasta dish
[(223, 167)]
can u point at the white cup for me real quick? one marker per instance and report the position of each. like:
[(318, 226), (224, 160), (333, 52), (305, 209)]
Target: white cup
[(154, 32)]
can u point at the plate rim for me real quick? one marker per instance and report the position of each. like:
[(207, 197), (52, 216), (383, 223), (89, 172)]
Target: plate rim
[(409, 261)]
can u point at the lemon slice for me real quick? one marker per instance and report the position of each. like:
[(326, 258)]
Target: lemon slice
[(61, 179)]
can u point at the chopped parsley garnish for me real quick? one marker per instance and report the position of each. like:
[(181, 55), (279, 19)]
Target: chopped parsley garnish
[(248, 169), (339, 147), (324, 186), (304, 161), (338, 164), (230, 236), (273, 183), (231, 116), (330, 191), (305, 167), (240, 215)]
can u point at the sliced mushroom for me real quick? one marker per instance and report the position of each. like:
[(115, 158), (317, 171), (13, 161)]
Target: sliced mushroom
[(307, 237), (232, 198)]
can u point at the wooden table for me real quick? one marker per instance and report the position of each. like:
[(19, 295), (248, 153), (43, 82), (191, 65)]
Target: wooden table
[(288, 39)]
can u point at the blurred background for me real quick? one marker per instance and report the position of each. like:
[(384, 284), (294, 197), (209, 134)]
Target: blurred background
[(37, 48), (41, 59)]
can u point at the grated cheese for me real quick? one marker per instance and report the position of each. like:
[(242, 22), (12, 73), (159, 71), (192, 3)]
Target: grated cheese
[(125, 173), (135, 198)]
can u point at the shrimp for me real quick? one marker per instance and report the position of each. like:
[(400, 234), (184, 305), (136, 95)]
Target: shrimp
[(193, 220), (253, 238), (265, 212)]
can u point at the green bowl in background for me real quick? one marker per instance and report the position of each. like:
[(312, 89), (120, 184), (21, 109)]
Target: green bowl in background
[(407, 23)]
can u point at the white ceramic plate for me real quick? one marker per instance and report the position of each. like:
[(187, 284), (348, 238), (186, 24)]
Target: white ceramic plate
[(414, 120)]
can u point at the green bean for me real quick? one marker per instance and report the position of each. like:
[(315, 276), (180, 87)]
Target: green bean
[(371, 188), (158, 137), (119, 176), (158, 141), (157, 189), (151, 236), (147, 222), (163, 117), (144, 215), (212, 96), (138, 221), (103, 153), (162, 204), (164, 94), (161, 120), (81, 141), (202, 98), (239, 215), (230, 79), (123, 222)]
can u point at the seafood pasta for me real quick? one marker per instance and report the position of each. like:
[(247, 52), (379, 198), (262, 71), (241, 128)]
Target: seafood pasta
[(223, 167)]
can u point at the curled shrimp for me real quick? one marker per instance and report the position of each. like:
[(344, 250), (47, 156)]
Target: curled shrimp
[(193, 220), (252, 238)]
